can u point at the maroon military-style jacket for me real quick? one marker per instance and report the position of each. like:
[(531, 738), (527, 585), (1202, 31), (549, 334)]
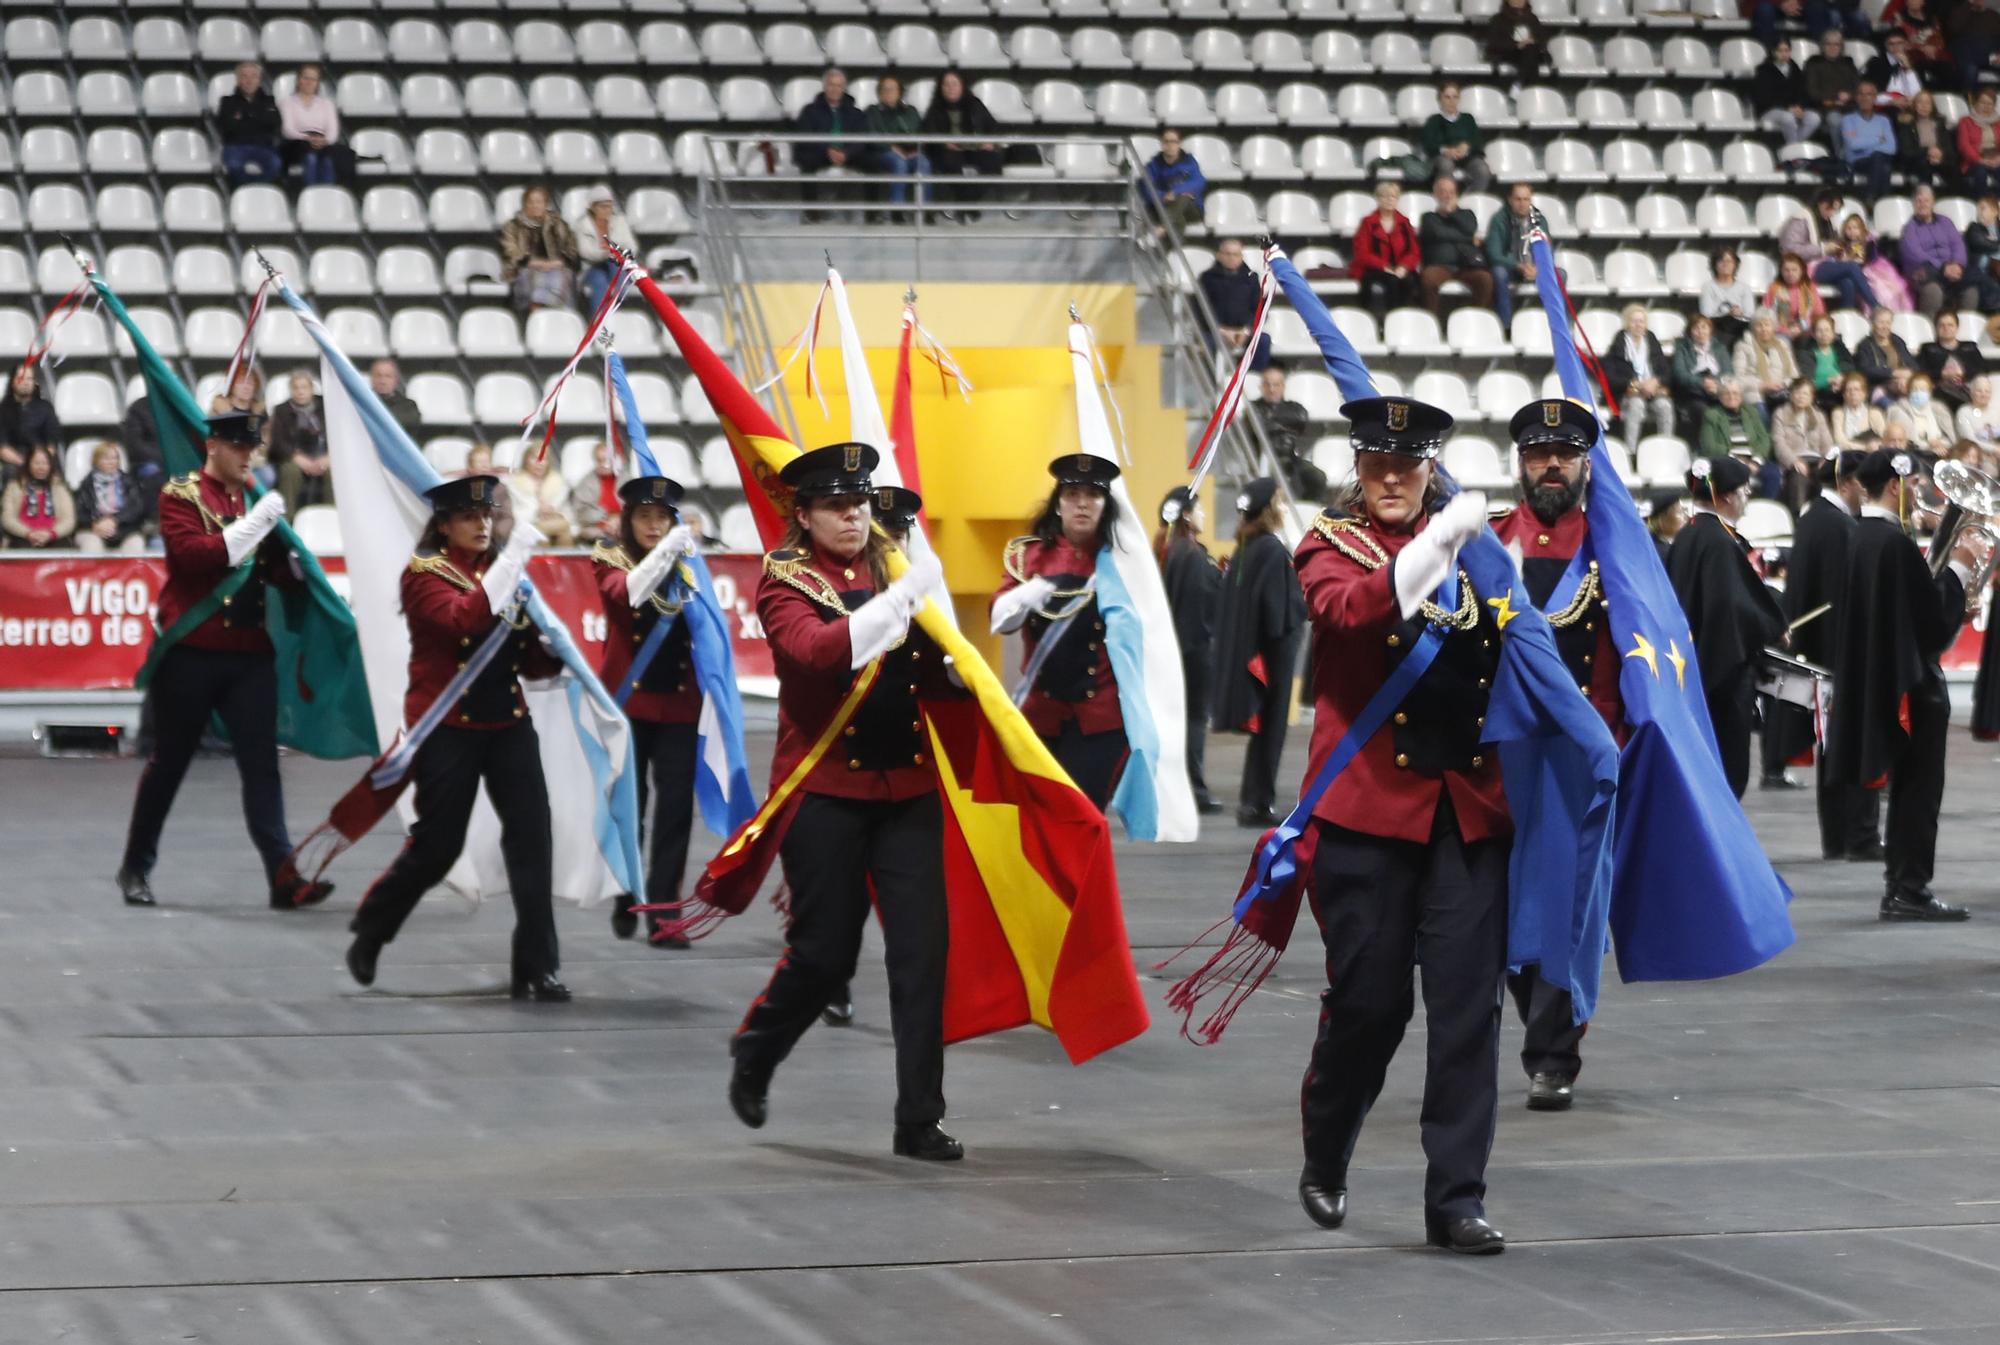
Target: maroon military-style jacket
[(666, 692), (449, 617), (882, 753), (194, 509), (1431, 747), (1582, 628), (1076, 682)]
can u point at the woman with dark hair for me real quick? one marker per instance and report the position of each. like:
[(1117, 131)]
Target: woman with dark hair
[(660, 697), (36, 509), (867, 813), (1049, 594), (1926, 144), (1263, 616), (1825, 359), (538, 254), (892, 116), (1794, 299), (1726, 299), (956, 111), (1192, 580), (26, 420), (1816, 238), (459, 590)]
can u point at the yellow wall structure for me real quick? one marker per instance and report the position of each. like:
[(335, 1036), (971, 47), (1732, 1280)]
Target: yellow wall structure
[(985, 463)]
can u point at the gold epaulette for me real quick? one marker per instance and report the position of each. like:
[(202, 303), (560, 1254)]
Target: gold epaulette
[(433, 562), (790, 568), (612, 554), (1350, 539), (1013, 557), (188, 488)]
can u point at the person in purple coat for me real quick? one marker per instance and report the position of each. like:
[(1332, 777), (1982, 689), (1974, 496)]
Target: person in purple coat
[(1933, 253)]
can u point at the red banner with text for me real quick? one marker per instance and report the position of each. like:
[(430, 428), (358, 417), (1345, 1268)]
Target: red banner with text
[(70, 622)]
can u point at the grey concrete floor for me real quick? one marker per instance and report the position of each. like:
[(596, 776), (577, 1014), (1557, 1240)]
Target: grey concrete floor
[(211, 1135)]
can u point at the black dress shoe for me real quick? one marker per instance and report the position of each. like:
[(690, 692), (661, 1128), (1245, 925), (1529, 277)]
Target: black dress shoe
[(543, 989), (1472, 1236), (361, 955), (1325, 1203), (1871, 853), (1780, 781), (625, 920), (1208, 807), (134, 888), (927, 1142), (1551, 1090), (749, 1090), (839, 1010), (1257, 817), (298, 894), (663, 936), (1923, 906)]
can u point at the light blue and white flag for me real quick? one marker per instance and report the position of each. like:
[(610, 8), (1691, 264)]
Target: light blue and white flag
[(586, 742), (722, 768), (1154, 797)]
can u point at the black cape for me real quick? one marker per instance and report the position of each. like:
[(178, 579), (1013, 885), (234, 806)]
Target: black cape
[(1898, 622), (1730, 611), (1263, 613), (1986, 688), (1193, 582), (1817, 577)]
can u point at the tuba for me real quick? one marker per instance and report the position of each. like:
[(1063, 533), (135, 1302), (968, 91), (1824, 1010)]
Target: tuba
[(1972, 499)]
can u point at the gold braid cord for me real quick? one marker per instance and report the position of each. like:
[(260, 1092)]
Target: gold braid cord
[(189, 488), (613, 554), (1353, 541), (1585, 599), (790, 569), (1012, 559), (425, 562)]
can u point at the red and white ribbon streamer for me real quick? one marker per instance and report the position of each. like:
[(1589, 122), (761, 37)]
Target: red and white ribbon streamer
[(936, 353), (1231, 400), (45, 334), (807, 341), (248, 344), (614, 294)]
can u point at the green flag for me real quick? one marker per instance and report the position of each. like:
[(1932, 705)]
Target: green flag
[(323, 706)]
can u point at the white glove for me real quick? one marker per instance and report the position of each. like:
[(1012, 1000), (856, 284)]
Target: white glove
[(680, 540), (1012, 608), (1425, 562), (504, 575), (650, 573), (881, 621), (240, 538)]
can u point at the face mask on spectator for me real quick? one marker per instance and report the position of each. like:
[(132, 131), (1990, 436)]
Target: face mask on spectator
[(1920, 397)]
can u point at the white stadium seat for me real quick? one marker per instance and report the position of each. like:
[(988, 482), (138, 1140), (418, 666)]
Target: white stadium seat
[(441, 399)]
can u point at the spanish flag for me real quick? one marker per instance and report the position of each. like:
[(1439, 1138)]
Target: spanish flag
[(1037, 931)]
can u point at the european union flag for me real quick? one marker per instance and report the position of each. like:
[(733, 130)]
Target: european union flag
[(1693, 895)]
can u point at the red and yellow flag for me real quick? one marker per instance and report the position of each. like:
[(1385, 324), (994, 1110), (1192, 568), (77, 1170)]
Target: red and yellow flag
[(1037, 930)]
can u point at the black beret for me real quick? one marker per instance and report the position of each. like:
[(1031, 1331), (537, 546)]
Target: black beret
[(1256, 496), (1710, 477), (1884, 465)]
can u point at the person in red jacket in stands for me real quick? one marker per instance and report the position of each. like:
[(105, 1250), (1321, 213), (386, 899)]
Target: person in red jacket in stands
[(1387, 260)]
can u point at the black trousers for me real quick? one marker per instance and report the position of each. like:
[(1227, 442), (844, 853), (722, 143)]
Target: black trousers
[(188, 687), (666, 754), (1194, 678), (447, 774), (951, 163), (1383, 907), (1850, 817), (1095, 761), (1267, 745), (1916, 790), (1553, 1044), (833, 850), (1732, 710)]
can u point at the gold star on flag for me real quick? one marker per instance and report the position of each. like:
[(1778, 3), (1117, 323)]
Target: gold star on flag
[(1680, 663), (1503, 609), (1644, 649)]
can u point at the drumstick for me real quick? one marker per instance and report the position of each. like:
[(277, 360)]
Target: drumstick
[(1818, 611)]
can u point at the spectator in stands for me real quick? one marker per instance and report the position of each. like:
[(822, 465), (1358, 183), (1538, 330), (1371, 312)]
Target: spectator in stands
[(1284, 422), (1453, 144), (536, 480), (1816, 238), (595, 501), (1516, 40), (110, 507), (140, 436), (1868, 144), (1794, 299), (1895, 435), (1800, 439), (538, 254), (1731, 427), (1883, 357), (387, 380), (1929, 423), (1700, 365), (1725, 299), (1951, 363), (1973, 30), (250, 125), (1933, 253), (1855, 418), (1979, 145), (957, 112), (1507, 246), (27, 422), (1177, 180), (1847, 15), (892, 116), (1770, 20), (311, 130), (1892, 73), (832, 112), (1927, 46), (600, 223), (297, 437), (1926, 147), (1638, 370), (1826, 360), (36, 509), (1885, 284), (1831, 79), (1386, 260), (1979, 419), (245, 394), (1982, 252), (479, 460), (1778, 93), (1452, 247), (1232, 291), (1764, 363)]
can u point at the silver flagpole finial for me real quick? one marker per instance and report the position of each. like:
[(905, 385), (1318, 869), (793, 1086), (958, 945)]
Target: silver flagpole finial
[(910, 294), (1074, 316), (77, 252), (264, 262)]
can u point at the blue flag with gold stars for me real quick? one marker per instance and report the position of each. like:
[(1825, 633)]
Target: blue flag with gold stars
[(1693, 895)]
